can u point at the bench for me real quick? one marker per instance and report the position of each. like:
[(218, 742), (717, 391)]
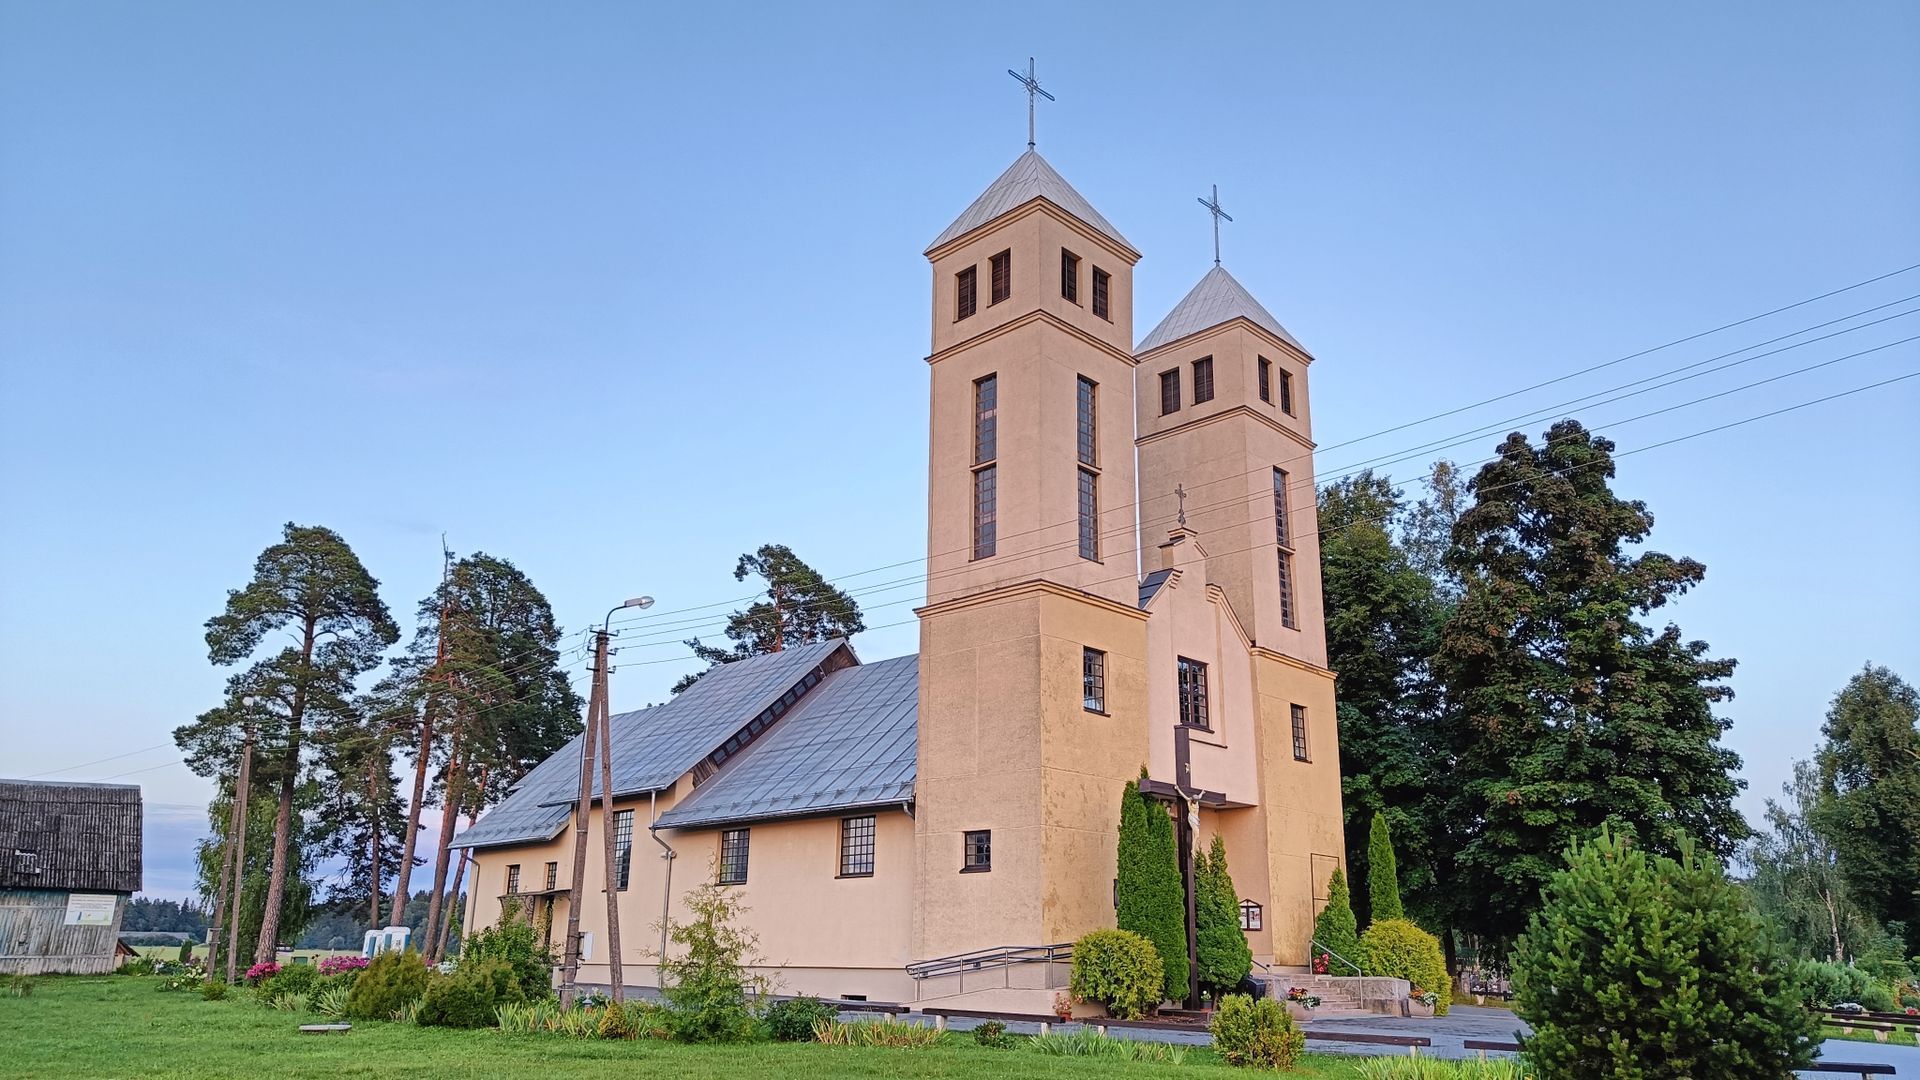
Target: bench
[(325, 1029), (1897, 1019), (844, 1005), (942, 1015), (1880, 1030), (1413, 1043)]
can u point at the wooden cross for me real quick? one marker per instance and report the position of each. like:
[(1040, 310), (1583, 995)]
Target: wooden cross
[(1033, 92), (1213, 207)]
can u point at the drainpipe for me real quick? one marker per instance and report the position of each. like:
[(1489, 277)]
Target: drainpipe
[(666, 886)]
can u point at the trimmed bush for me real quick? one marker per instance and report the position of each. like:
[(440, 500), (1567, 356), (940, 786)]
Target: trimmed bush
[(1383, 874), (1255, 1034), (292, 979), (1830, 984), (471, 997), (518, 945), (213, 990), (614, 1021), (794, 1019), (1397, 949), (1335, 928), (394, 981), (992, 1034), (1119, 969), (1644, 968)]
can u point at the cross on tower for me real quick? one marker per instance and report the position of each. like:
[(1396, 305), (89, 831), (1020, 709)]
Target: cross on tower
[(1213, 207), (1180, 492), (1033, 91)]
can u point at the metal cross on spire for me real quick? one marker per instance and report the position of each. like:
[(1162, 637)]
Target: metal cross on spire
[(1033, 91), (1180, 492), (1213, 207)]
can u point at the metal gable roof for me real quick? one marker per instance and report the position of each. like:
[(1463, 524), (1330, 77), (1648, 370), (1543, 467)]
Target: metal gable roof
[(850, 743), (1218, 298), (652, 747), (1150, 585), (1028, 178)]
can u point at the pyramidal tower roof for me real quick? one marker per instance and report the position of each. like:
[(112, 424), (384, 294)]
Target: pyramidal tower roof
[(1217, 299), (1028, 178)]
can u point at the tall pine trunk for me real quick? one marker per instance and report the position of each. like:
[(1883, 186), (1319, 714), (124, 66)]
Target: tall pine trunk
[(411, 841), (263, 951), (449, 811), (449, 907)]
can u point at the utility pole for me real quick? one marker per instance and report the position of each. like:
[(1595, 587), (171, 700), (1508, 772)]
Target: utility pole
[(239, 846), (570, 964), (598, 708)]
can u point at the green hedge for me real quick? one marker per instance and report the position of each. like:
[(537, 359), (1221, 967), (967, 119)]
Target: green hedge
[(1119, 969), (1396, 948)]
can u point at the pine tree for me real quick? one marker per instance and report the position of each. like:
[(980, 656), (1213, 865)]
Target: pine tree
[(1225, 958), (801, 608), (1640, 967), (1151, 900), (1383, 878), (1870, 804), (1334, 929)]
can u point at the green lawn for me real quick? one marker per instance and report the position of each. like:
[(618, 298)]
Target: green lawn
[(1896, 1037), (121, 1026)]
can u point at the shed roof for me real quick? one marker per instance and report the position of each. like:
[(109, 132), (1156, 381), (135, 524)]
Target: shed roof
[(1217, 298), (76, 837), (1027, 179), (848, 744)]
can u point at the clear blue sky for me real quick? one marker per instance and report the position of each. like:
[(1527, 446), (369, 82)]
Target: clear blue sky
[(620, 291)]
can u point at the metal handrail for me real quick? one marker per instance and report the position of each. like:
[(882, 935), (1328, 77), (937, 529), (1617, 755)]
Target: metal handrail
[(995, 957), (1356, 967)]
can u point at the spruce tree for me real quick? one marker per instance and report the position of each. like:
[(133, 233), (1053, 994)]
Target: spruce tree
[(1225, 957), (1334, 930), (1383, 877), (1640, 967), (1151, 899)]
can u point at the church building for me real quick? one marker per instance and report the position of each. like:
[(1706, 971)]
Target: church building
[(1123, 573)]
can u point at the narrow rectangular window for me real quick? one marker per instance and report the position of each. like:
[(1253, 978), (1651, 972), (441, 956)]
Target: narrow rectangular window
[(966, 293), (623, 845), (1089, 515), (1102, 293), (733, 857), (1266, 380), (979, 852), (1249, 915), (1286, 590), (1069, 276), (1088, 389), (856, 846), (1281, 535), (986, 427), (1193, 693), (1300, 733), (1203, 380), (983, 511), (513, 879), (553, 876), (1286, 392), (1002, 266), (1169, 391), (1093, 680)]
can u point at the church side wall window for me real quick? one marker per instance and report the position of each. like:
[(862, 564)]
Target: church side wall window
[(1300, 733), (856, 846), (1088, 446), (1266, 380), (986, 427), (1193, 694), (733, 857), (966, 293), (1203, 380), (1089, 515), (1284, 538), (513, 878), (1286, 392), (553, 876), (986, 397), (1069, 276), (1170, 391), (1102, 294), (979, 852), (623, 846), (1002, 270), (983, 512), (1093, 680)]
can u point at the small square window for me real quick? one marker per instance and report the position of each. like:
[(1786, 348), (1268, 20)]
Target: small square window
[(966, 293), (1093, 680), (26, 860), (1203, 380), (733, 857), (979, 852), (1169, 391), (1249, 915)]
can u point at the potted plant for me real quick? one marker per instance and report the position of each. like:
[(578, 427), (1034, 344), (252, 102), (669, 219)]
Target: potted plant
[(1300, 1002), (1421, 1002), (1063, 1007), (1320, 962)]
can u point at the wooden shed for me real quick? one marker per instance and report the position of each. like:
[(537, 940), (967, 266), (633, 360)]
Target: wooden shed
[(69, 859)]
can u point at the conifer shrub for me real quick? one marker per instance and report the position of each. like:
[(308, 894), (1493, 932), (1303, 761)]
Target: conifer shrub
[(1151, 899), (1383, 874), (615, 1023), (1647, 968), (1335, 929), (394, 981), (471, 996), (1120, 970), (1255, 1034), (1397, 949), (794, 1019), (1225, 957)]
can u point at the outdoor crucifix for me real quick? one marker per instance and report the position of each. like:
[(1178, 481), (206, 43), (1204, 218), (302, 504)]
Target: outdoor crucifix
[(1213, 207), (1032, 83)]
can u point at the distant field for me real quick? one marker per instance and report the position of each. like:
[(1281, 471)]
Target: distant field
[(122, 1026)]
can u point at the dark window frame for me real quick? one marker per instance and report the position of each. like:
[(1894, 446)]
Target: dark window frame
[(1086, 420), (1286, 391), (966, 293), (1169, 391), (1103, 294), (1093, 680), (623, 846), (1088, 499), (513, 879), (1302, 751), (1251, 915), (1266, 380), (1288, 616), (1069, 276), (857, 842), (1190, 677), (735, 848), (986, 511), (553, 875), (976, 851), (1000, 275), (1203, 380), (986, 418)]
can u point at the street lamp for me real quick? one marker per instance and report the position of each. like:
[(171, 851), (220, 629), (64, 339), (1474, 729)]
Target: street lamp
[(641, 602)]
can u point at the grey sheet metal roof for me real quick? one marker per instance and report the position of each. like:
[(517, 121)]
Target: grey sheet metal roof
[(62, 835), (652, 747), (848, 744), (1028, 178), (1216, 299), (1151, 584)]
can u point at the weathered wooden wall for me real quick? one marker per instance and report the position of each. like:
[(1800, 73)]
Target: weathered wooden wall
[(35, 940)]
